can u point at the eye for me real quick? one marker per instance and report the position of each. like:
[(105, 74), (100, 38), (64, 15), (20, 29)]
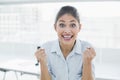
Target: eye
[(62, 25), (73, 25)]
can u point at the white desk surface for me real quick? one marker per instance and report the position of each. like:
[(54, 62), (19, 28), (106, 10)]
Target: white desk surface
[(23, 66), (28, 67), (107, 71)]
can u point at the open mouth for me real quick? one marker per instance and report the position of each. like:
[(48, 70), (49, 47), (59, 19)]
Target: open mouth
[(67, 37)]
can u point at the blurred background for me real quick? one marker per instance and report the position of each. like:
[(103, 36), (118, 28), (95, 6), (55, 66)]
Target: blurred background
[(26, 24)]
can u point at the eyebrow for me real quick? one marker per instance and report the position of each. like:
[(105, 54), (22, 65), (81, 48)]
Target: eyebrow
[(72, 21), (64, 21), (61, 21)]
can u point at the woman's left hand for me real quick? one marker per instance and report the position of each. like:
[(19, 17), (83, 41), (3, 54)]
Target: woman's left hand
[(88, 55)]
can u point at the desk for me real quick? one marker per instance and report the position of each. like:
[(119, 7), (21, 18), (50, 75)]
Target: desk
[(102, 71), (21, 66), (4, 70), (107, 71)]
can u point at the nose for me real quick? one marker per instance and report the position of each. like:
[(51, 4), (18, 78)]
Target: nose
[(67, 30)]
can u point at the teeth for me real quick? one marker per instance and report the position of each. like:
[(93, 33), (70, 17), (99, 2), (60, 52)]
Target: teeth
[(67, 36)]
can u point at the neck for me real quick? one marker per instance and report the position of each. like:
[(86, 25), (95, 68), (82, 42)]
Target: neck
[(66, 49)]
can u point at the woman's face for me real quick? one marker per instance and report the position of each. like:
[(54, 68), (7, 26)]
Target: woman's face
[(67, 28)]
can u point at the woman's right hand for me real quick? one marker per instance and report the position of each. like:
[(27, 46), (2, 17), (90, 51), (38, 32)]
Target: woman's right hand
[(42, 58), (40, 55)]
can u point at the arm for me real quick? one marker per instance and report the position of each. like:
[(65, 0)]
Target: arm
[(88, 55), (41, 57), (44, 72), (87, 72)]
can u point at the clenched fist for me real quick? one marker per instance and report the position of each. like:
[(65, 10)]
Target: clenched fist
[(40, 55), (88, 55)]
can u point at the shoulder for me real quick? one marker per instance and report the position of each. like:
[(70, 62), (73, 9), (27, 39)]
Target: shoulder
[(84, 44), (49, 44)]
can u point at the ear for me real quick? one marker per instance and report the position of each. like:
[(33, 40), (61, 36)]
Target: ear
[(80, 27), (55, 27)]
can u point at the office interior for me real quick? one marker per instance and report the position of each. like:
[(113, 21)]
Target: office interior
[(27, 24)]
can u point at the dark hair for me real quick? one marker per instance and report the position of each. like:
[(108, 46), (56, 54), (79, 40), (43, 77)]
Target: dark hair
[(68, 10)]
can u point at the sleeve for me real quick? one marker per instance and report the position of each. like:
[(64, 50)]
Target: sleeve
[(47, 51), (50, 69), (93, 70), (88, 45)]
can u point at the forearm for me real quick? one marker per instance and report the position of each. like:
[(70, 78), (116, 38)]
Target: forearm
[(87, 71), (45, 75)]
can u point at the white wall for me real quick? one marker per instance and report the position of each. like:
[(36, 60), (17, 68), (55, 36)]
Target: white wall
[(25, 26)]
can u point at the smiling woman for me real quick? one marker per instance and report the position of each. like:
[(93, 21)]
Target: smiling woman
[(24, 26), (66, 58)]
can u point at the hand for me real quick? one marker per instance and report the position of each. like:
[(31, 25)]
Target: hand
[(88, 55), (40, 55)]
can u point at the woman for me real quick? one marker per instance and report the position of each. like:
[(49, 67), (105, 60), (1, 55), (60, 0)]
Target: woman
[(66, 58)]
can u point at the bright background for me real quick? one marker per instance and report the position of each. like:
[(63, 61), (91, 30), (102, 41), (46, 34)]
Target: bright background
[(25, 26)]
